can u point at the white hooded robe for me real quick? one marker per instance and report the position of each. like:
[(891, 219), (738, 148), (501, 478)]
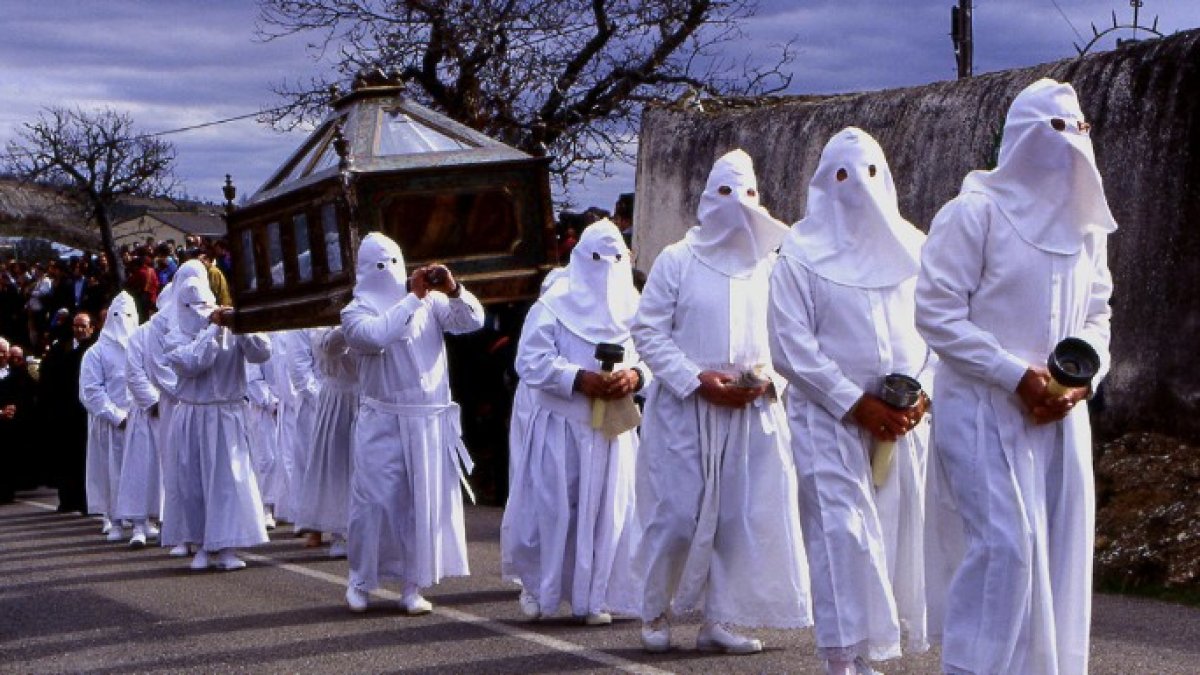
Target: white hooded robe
[(326, 486), (103, 392), (841, 318), (569, 529), (716, 485), (219, 502), (406, 510), (1013, 265)]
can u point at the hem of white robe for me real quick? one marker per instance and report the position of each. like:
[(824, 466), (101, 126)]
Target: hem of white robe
[(324, 526), (864, 649), (380, 578), (744, 621), (220, 545)]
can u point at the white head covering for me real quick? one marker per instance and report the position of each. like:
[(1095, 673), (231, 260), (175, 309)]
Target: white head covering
[(735, 232), (194, 303), (379, 278), (1046, 182), (852, 233), (596, 299), (122, 320), (192, 269)]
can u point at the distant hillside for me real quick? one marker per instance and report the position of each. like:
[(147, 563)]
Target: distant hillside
[(32, 210)]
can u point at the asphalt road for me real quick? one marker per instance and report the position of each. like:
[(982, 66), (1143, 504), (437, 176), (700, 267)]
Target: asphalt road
[(70, 602)]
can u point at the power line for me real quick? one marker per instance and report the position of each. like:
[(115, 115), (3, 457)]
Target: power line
[(213, 123), (192, 127), (1068, 20)]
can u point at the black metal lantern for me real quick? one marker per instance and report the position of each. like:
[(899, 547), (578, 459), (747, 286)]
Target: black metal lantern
[(379, 162)]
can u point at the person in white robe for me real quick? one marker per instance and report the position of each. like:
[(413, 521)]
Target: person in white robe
[(221, 509), (301, 413), (139, 496), (162, 377), (262, 418), (1014, 264), (841, 319), (285, 479), (326, 486), (716, 483), (103, 392), (569, 529), (406, 505)]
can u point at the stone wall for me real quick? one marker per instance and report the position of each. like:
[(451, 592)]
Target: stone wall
[(1144, 105)]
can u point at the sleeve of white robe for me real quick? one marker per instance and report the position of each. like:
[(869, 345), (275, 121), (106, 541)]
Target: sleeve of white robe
[(258, 390), (255, 346), (1096, 327), (652, 327), (332, 344), (300, 365), (141, 390), (369, 332), (191, 357), (92, 393), (951, 267), (795, 352), (463, 314), (539, 364)]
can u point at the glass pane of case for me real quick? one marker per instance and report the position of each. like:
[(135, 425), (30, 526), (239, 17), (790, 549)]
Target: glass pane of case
[(275, 254), (249, 278), (333, 242), (400, 134), (303, 246)]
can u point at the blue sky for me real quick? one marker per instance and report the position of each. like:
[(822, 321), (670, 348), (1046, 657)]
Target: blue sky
[(175, 63)]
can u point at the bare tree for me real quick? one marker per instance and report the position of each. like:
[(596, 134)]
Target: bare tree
[(99, 156), (567, 77)]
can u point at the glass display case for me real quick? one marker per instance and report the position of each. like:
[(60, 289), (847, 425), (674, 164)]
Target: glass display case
[(380, 162)]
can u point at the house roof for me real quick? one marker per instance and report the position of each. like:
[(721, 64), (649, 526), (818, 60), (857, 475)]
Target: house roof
[(203, 224)]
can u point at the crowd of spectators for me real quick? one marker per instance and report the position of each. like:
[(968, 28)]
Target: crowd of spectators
[(39, 299)]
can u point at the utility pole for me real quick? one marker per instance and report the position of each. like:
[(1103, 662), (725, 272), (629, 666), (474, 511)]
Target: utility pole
[(963, 36)]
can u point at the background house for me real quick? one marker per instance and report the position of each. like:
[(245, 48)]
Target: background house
[(169, 226)]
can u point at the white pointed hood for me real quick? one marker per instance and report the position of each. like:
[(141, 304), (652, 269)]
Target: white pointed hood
[(852, 233), (596, 299), (379, 276), (1046, 182), (192, 269), (736, 232), (121, 321), (194, 303)]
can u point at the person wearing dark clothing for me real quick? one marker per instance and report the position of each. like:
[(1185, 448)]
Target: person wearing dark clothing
[(17, 471), (142, 284), (63, 417)]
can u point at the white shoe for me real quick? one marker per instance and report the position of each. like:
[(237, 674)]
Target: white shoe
[(862, 667), (105, 525), (151, 531), (179, 551), (227, 560), (529, 605), (597, 619), (269, 520), (356, 599), (656, 635), (116, 533), (138, 540), (714, 637), (415, 605), (201, 561), (337, 549)]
